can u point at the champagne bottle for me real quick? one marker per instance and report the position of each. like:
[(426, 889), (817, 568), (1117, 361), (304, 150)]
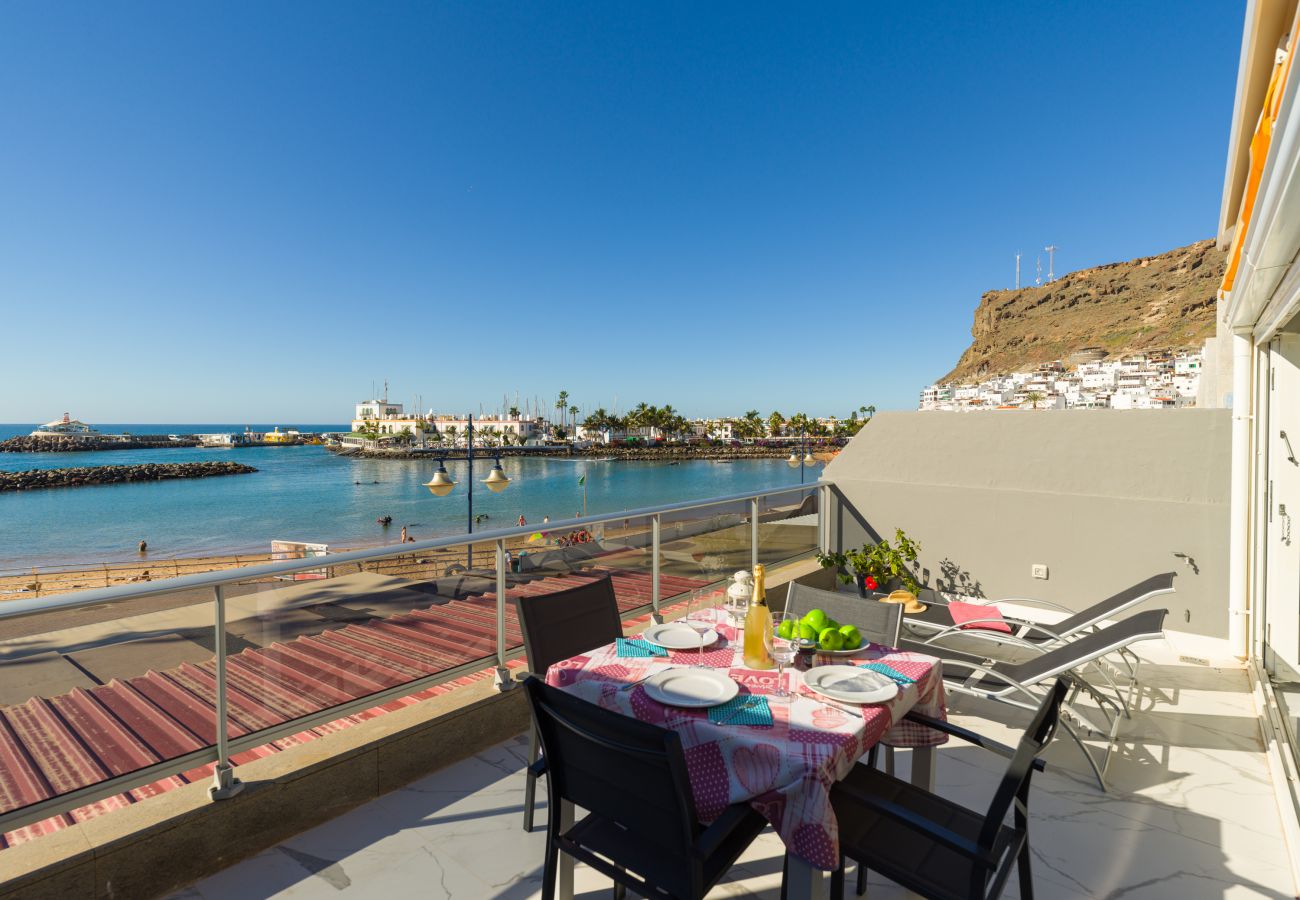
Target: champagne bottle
[(758, 622)]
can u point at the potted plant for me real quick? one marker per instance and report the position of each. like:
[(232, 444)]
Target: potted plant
[(877, 566)]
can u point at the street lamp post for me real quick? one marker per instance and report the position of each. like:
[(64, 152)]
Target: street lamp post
[(441, 484), (802, 457)]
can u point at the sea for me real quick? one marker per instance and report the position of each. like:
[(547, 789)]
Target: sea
[(306, 493)]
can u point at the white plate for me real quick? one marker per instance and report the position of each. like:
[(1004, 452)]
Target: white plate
[(850, 684), (678, 636), (690, 687)]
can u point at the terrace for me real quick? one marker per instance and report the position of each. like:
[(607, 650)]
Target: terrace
[(372, 738)]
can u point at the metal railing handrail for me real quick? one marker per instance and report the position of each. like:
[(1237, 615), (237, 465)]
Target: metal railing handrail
[(120, 593)]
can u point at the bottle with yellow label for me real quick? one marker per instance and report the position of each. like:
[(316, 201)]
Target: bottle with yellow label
[(758, 623)]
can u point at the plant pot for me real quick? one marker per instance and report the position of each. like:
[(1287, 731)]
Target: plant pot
[(863, 590)]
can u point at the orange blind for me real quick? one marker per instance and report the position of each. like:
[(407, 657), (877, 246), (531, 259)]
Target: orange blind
[(1259, 145)]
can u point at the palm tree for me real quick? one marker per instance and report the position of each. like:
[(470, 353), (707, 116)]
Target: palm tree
[(573, 414), (562, 403), (775, 423), (1033, 397), (514, 412), (598, 420)]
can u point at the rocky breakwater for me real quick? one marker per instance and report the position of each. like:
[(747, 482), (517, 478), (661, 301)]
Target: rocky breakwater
[(29, 444), (34, 479)]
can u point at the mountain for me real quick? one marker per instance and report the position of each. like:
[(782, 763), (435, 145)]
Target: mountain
[(1163, 302)]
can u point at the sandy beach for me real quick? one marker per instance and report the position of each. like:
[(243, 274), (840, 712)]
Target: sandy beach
[(48, 581)]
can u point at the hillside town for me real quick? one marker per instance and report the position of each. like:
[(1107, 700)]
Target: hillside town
[(1087, 379)]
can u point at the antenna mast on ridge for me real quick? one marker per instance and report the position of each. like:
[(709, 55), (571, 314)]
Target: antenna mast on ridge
[(1038, 279), (1017, 271), (1051, 256)]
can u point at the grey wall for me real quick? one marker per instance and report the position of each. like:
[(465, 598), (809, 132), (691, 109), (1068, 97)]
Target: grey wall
[(1104, 498)]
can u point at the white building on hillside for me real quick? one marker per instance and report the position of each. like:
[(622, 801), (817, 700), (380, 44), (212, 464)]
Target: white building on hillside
[(1153, 380)]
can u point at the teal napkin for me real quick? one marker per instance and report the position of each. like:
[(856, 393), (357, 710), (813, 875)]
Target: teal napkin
[(633, 647), (891, 673), (745, 709)]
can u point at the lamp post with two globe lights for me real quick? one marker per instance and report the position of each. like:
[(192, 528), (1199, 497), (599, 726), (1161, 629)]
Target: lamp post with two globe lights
[(441, 484), (802, 457)]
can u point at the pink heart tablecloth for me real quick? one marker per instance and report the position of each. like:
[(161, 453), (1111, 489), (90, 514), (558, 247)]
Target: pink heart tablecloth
[(785, 770)]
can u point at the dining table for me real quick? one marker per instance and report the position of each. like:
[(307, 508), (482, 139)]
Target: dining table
[(784, 768)]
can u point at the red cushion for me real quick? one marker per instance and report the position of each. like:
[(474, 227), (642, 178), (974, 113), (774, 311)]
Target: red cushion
[(963, 613)]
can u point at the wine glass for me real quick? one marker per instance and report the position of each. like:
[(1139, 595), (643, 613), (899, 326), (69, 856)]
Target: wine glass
[(699, 616), (783, 650)]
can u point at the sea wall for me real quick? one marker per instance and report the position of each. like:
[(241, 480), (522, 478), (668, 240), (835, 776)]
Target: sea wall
[(665, 452), (29, 444), (34, 479)]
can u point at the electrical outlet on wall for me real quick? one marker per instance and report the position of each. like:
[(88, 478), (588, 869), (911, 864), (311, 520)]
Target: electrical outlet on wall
[(1038, 570)]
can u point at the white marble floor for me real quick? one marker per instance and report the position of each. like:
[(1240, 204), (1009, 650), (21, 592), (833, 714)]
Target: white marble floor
[(1190, 814)]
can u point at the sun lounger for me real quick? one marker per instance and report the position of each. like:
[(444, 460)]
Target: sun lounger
[(1013, 683), (937, 621)]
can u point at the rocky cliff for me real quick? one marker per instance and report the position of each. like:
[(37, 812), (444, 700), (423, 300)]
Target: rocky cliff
[(1163, 302)]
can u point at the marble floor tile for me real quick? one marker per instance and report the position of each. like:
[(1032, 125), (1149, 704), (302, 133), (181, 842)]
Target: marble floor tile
[(1191, 813)]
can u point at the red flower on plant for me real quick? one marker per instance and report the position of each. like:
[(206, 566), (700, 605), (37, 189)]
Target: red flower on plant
[(870, 583)]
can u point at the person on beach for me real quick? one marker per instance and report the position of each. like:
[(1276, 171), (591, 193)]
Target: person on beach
[(144, 547), (521, 520), (403, 540)]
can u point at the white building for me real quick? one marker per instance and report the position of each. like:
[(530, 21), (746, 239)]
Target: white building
[(487, 429), (386, 418), (1141, 381), (65, 428)]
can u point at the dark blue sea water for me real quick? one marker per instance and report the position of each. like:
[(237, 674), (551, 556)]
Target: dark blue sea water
[(306, 493)]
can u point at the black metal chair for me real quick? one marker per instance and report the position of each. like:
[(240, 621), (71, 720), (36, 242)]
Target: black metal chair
[(557, 626), (933, 846), (878, 622), (641, 829)]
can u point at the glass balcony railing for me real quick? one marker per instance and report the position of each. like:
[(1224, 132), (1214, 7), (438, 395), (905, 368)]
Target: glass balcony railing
[(109, 695)]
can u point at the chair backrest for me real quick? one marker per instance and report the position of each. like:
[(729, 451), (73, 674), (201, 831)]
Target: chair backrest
[(1015, 781), (568, 622), (1111, 606), (1141, 627), (878, 622), (617, 767)]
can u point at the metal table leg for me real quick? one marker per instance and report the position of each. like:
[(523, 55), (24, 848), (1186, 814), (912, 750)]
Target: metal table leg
[(923, 768), (803, 882)]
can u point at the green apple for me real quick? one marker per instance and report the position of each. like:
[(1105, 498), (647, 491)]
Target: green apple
[(830, 639), (816, 618), (807, 632), (786, 630), (831, 623), (852, 637)]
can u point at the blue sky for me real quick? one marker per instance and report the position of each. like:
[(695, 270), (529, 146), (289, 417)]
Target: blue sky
[(231, 212)]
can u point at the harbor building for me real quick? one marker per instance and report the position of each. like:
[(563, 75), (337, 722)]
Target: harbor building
[(67, 427)]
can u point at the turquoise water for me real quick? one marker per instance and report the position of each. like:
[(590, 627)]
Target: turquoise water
[(306, 493)]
